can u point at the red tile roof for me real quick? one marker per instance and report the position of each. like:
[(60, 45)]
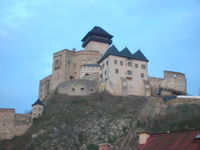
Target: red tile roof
[(183, 140)]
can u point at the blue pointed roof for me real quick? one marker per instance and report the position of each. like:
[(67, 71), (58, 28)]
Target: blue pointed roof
[(126, 53), (111, 51), (38, 102), (138, 55)]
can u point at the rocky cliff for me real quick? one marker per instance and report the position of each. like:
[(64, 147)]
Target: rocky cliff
[(81, 123)]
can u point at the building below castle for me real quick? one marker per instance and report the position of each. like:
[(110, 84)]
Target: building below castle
[(100, 66)]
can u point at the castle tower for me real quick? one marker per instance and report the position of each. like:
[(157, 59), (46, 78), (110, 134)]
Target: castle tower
[(97, 39), (37, 109)]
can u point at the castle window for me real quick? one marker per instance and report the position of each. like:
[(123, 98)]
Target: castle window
[(82, 89), (56, 64), (105, 72), (142, 75), (136, 65), (87, 74), (174, 76), (115, 61), (4, 124), (107, 62), (101, 75), (73, 89), (143, 66), (129, 63), (68, 62), (116, 71), (91, 90), (129, 72), (121, 63), (103, 65)]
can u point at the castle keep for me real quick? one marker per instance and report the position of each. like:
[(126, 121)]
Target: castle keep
[(101, 66)]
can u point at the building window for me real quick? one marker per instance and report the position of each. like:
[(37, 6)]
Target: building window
[(121, 63), (4, 124), (174, 76), (129, 63), (115, 61), (143, 66), (68, 62), (103, 65), (129, 72), (142, 75), (73, 89), (107, 62), (91, 90), (136, 65), (82, 89), (101, 75), (116, 71), (105, 72), (57, 64)]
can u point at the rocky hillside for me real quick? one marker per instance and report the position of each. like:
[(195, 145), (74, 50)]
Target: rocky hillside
[(81, 123)]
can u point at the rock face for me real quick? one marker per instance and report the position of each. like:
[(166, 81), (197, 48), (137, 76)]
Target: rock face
[(81, 123)]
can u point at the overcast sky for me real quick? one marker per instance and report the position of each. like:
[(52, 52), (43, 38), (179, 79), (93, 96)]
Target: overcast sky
[(166, 31)]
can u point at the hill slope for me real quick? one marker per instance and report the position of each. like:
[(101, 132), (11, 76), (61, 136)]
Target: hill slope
[(81, 123)]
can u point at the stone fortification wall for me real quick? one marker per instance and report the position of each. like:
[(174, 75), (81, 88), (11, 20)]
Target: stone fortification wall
[(172, 82), (78, 87), (12, 124), (44, 87)]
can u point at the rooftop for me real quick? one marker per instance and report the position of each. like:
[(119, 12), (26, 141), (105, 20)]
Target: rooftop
[(181, 140), (38, 102)]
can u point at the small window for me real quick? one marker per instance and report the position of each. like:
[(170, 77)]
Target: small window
[(121, 63), (129, 72), (105, 72), (142, 75), (129, 63), (73, 89), (143, 66), (103, 65), (101, 75), (136, 65), (4, 124), (107, 62), (68, 62), (116, 71), (82, 89), (91, 90), (87, 74), (115, 61), (174, 76)]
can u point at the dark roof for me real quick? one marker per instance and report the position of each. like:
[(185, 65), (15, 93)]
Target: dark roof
[(90, 65), (138, 55), (111, 51), (124, 53), (182, 140), (38, 102), (97, 34)]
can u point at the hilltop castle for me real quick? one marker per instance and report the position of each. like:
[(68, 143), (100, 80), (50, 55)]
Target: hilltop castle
[(101, 66)]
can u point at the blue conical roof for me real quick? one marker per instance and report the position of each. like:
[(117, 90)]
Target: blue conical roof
[(38, 102), (111, 51), (126, 53), (138, 55)]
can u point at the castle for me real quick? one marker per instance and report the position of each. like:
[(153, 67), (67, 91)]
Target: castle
[(101, 66)]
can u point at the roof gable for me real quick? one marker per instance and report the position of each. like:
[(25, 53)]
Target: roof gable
[(138, 55), (111, 51), (126, 53), (38, 102)]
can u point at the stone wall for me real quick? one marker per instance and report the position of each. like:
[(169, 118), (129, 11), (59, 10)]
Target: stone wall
[(12, 124), (172, 81)]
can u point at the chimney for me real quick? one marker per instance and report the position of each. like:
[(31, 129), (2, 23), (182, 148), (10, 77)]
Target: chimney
[(143, 137), (104, 146)]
